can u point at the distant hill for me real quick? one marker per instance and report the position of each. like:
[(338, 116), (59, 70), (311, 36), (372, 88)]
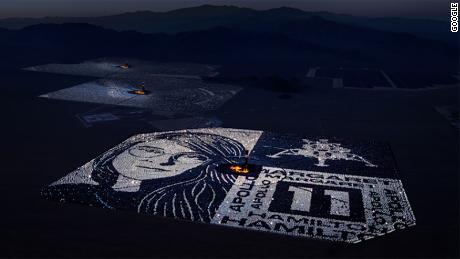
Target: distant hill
[(276, 48), (209, 16)]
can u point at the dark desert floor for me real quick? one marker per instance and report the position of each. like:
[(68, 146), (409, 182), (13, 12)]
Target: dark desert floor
[(43, 141)]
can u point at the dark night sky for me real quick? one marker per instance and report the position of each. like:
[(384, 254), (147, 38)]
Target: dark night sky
[(405, 8)]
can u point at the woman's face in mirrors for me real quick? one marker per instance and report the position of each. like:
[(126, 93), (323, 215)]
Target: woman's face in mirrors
[(157, 159)]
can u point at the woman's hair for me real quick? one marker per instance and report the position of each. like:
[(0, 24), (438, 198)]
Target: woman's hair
[(196, 193)]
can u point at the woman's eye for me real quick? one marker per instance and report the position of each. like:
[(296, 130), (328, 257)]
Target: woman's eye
[(154, 150), (191, 158), (146, 151)]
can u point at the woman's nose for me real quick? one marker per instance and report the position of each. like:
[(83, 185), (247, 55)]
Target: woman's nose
[(168, 162)]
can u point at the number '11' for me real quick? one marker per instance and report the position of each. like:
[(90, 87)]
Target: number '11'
[(340, 201)]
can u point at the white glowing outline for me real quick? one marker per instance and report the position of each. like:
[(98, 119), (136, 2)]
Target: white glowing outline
[(322, 150)]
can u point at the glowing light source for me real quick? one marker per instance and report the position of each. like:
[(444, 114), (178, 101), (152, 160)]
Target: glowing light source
[(140, 92), (239, 169), (125, 66)]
